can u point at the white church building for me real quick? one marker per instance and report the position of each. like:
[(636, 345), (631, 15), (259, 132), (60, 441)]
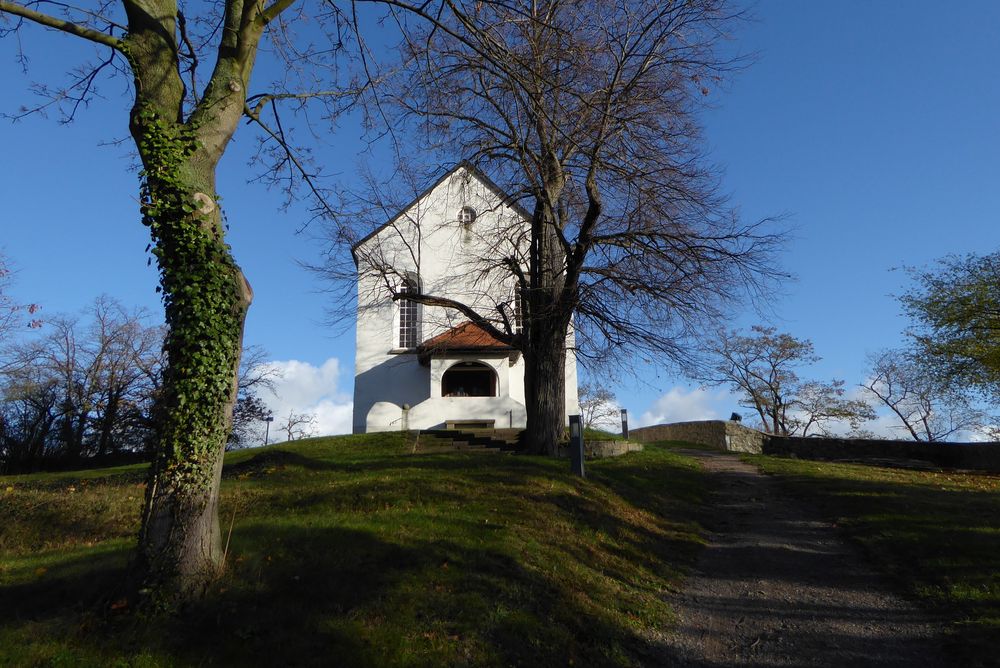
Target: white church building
[(429, 367)]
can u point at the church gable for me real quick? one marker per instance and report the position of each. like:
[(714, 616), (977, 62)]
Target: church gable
[(421, 363), (458, 200)]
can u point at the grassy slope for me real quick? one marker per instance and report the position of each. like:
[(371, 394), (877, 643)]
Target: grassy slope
[(353, 551), (937, 534)]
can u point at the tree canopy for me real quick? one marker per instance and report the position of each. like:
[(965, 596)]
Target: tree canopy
[(955, 306), (587, 114), (763, 367)]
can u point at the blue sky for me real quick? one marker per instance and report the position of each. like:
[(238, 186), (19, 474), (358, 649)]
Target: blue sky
[(873, 126)]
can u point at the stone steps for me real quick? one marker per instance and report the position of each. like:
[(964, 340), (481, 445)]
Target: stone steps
[(479, 440)]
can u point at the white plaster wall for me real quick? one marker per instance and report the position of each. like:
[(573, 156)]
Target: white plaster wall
[(516, 374), (572, 393), (378, 374), (433, 413), (429, 241)]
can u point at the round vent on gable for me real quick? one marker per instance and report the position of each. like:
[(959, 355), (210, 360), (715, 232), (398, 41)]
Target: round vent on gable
[(466, 216)]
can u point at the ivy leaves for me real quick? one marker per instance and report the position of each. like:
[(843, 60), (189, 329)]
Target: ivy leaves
[(201, 295)]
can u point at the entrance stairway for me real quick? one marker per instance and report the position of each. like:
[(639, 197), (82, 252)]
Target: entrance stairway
[(475, 440)]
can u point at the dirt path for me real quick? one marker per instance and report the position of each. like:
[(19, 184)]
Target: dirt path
[(777, 587)]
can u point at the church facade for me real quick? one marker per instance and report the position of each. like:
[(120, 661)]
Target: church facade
[(420, 366)]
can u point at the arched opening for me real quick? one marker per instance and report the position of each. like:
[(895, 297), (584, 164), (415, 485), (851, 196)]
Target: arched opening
[(469, 379)]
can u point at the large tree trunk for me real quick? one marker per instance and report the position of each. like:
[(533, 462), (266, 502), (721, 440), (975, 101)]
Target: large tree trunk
[(545, 388), (206, 299), (180, 544), (205, 295), (548, 318)]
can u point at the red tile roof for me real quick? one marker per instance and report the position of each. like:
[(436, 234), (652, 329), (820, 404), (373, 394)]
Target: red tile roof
[(465, 336)]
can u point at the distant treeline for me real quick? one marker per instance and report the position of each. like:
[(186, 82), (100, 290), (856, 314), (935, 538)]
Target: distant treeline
[(82, 389)]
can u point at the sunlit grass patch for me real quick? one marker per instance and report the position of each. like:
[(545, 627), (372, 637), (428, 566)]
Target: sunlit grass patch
[(354, 551)]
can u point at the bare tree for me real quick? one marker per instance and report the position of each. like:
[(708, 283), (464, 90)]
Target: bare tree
[(817, 404), (926, 409), (298, 425), (250, 411), (586, 113), (84, 388), (28, 414), (598, 407), (127, 354), (762, 365), (13, 314), (189, 68)]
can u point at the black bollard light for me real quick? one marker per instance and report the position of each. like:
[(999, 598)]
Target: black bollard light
[(625, 423), (267, 428), (576, 446)]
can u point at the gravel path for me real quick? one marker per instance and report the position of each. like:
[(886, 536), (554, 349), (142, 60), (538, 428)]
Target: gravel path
[(777, 587)]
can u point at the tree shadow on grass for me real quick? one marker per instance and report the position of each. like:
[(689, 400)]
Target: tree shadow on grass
[(272, 460), (74, 585), (334, 596), (939, 536), (326, 595), (937, 541)]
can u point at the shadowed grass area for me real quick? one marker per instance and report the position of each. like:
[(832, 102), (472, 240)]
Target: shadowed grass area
[(936, 533), (353, 551)]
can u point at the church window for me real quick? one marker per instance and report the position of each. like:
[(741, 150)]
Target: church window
[(467, 216), (409, 314)]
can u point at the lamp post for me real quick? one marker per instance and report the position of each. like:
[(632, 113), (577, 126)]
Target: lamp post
[(267, 427), (576, 446)]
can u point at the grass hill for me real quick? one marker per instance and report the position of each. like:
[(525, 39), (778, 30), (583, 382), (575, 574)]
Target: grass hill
[(357, 551)]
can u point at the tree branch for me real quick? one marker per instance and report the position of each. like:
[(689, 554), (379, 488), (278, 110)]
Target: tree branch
[(63, 25), (278, 136), (464, 309)]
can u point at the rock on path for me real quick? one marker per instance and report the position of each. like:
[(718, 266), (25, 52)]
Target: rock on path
[(777, 587)]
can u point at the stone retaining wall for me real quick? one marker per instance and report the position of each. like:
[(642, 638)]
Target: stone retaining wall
[(734, 437), (602, 449), (720, 434), (975, 456)]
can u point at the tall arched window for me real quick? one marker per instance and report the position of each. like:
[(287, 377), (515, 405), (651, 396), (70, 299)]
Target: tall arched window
[(518, 308), (409, 314), (469, 379)]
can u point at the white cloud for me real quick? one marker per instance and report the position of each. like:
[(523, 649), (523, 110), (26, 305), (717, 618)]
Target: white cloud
[(305, 388), (682, 405)]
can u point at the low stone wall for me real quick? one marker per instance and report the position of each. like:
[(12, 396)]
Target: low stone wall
[(734, 437), (602, 449), (720, 434), (974, 456)]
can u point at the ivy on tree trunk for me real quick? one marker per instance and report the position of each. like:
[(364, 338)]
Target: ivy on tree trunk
[(206, 299)]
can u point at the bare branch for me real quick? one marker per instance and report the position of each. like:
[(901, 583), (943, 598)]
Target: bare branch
[(293, 159), (63, 25)]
